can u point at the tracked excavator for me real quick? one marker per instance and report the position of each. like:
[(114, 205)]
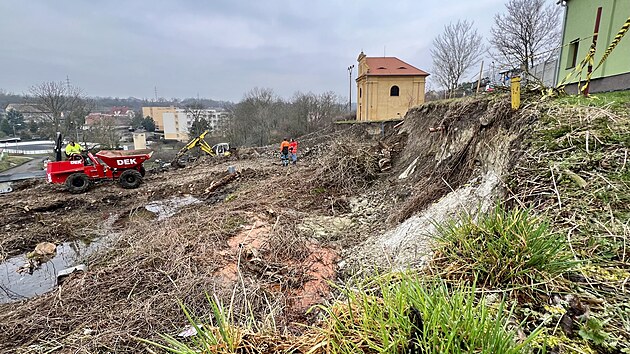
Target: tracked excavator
[(186, 154)]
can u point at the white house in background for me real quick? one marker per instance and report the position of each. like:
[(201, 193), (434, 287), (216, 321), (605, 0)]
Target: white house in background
[(31, 112), (177, 124)]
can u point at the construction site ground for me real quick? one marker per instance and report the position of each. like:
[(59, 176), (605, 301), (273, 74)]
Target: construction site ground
[(264, 232), (271, 242)]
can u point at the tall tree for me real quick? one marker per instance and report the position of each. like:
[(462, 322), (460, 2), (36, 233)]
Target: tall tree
[(57, 99), (455, 51), (74, 119), (103, 132), (15, 118), (256, 117), (148, 124), (526, 32), (195, 112), (137, 120), (262, 117), (5, 127)]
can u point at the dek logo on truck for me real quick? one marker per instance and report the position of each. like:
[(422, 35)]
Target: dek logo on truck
[(124, 162)]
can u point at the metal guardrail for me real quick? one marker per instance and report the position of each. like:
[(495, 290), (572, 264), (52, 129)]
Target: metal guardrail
[(27, 152)]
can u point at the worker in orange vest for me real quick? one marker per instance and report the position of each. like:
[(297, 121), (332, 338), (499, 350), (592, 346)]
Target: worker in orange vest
[(284, 152), (293, 150)]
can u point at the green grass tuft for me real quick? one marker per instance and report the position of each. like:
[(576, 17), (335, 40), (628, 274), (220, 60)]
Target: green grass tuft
[(215, 336), (502, 248), (614, 100), (382, 317), (9, 162)]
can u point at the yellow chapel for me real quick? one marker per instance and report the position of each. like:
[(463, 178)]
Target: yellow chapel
[(387, 87)]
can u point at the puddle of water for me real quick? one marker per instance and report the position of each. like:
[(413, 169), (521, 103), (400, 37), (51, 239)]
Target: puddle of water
[(167, 208), (16, 286)]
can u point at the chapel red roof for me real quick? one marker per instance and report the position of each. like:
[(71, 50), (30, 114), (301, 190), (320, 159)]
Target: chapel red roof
[(391, 66)]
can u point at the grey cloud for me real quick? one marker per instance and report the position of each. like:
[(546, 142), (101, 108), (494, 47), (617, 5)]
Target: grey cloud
[(219, 49)]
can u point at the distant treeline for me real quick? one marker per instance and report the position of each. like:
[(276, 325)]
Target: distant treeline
[(104, 103)]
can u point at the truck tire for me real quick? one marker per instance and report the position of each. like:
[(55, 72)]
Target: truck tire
[(130, 179), (77, 183)]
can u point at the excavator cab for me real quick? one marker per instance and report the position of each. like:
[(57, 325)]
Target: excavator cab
[(221, 149)]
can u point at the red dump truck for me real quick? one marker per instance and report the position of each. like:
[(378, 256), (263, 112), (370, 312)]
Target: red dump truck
[(81, 171)]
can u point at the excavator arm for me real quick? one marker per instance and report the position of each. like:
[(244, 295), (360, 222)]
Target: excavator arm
[(196, 142)]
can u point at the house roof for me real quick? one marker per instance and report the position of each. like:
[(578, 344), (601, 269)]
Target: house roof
[(25, 108), (121, 109), (391, 66)]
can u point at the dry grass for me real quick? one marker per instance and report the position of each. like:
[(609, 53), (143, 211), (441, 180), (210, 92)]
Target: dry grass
[(576, 173), (12, 161), (133, 289), (398, 313)]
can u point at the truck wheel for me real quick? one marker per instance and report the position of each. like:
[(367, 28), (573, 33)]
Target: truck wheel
[(77, 183), (130, 179)]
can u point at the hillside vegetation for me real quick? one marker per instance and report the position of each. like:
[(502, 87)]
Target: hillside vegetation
[(469, 228)]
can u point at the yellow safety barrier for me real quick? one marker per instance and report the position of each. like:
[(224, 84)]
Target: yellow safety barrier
[(590, 60), (622, 32)]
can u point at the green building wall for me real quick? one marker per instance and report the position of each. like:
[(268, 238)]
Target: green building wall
[(579, 26)]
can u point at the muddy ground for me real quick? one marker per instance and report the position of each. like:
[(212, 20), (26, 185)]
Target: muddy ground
[(266, 241), (264, 234)]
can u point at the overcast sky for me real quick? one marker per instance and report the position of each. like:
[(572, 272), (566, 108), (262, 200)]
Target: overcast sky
[(217, 49)]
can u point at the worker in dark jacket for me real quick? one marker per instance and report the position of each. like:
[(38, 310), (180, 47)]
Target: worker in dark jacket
[(284, 151)]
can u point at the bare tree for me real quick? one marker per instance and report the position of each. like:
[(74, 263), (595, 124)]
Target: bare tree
[(195, 113), (454, 51), (256, 117), (75, 118), (262, 117), (307, 112), (527, 31), (104, 133), (57, 99)]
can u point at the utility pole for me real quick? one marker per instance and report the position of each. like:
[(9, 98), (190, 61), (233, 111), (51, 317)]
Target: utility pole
[(68, 83), (156, 95), (479, 80), (350, 95)]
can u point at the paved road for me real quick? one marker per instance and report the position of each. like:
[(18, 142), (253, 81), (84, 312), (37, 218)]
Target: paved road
[(31, 169)]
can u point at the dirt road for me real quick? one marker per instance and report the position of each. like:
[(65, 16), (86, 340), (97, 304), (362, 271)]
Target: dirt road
[(30, 169)]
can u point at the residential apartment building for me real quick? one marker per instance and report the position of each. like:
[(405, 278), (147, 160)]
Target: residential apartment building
[(178, 124), (175, 125), (94, 118), (157, 114), (122, 111)]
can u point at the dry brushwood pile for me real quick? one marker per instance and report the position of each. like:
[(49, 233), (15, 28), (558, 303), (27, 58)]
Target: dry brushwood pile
[(257, 240), (280, 259)]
